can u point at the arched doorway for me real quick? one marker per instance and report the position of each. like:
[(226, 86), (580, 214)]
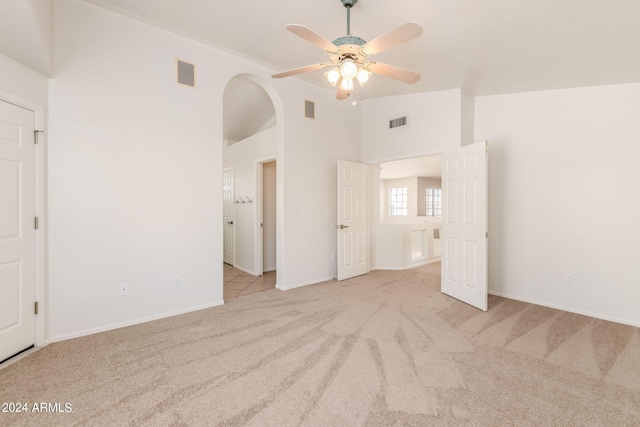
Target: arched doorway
[(252, 186)]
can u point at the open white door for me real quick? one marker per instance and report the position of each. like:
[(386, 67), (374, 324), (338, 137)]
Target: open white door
[(352, 220), (464, 224), (17, 233), (227, 216)]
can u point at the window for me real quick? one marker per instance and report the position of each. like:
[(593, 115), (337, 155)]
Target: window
[(434, 202), (398, 201)]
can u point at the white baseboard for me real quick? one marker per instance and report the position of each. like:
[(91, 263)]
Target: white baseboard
[(245, 270), (569, 309), (130, 323), (299, 285), (431, 261)]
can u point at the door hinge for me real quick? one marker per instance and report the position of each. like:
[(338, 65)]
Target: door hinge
[(35, 223), (35, 307), (35, 136), (486, 234)]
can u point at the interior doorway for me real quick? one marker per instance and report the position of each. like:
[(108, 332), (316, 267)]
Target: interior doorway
[(459, 232), (251, 137), (409, 220), (267, 216)]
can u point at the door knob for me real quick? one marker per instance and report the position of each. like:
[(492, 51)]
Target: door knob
[(230, 222), (343, 226)]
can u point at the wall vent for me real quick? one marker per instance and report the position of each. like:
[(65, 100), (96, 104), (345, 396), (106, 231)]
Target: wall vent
[(309, 109), (400, 121), (186, 73)]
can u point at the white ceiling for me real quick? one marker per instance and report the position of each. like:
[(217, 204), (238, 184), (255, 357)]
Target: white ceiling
[(487, 47), (26, 33), (423, 167)]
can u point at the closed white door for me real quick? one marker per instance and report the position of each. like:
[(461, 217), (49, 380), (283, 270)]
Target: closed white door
[(352, 220), (17, 233), (227, 216), (464, 224)]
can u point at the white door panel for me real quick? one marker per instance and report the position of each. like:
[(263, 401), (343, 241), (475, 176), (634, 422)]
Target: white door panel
[(17, 238), (464, 225), (353, 231), (228, 207)]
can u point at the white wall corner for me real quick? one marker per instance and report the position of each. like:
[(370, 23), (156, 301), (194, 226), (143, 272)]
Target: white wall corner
[(467, 117)]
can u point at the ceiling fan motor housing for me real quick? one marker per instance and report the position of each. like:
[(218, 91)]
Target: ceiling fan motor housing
[(349, 3), (349, 40)]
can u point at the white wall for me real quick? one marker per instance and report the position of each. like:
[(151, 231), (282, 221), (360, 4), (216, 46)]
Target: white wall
[(563, 185), (435, 124), (312, 148), (135, 167), (135, 160), (242, 156)]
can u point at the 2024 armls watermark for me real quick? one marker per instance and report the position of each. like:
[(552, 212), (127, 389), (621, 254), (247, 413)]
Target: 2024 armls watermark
[(37, 407)]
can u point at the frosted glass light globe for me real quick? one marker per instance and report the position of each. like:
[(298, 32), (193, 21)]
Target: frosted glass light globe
[(363, 76), (348, 69), (333, 76), (346, 84)]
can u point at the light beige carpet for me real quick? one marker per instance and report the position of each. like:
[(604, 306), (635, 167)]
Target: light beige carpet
[(383, 349)]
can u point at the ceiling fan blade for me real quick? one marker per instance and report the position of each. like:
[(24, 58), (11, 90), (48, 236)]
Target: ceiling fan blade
[(309, 35), (393, 72), (401, 34), (301, 70), (341, 93)]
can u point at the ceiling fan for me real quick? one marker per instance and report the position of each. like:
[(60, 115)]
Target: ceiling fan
[(350, 55)]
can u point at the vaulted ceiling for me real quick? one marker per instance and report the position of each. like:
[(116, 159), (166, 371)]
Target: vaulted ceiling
[(487, 46), (247, 110), (26, 33)]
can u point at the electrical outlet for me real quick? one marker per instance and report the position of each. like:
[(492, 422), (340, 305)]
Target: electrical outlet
[(568, 279), (305, 215), (123, 288), (333, 257), (176, 281)]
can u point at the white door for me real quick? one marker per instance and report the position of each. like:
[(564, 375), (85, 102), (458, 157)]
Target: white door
[(352, 220), (17, 234), (227, 216), (464, 224)]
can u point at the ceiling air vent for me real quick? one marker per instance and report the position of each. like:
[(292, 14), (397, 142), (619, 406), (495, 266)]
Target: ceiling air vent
[(309, 109), (400, 121), (186, 73)]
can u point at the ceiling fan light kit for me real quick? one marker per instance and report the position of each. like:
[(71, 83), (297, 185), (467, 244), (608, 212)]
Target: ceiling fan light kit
[(349, 55)]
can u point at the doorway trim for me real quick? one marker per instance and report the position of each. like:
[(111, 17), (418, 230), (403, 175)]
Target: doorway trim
[(374, 191), (259, 242), (41, 279)]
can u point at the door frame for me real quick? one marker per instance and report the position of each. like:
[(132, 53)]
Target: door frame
[(41, 279), (231, 169), (259, 235)]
